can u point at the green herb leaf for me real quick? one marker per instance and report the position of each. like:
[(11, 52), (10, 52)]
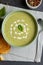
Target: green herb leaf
[(20, 27), (2, 12)]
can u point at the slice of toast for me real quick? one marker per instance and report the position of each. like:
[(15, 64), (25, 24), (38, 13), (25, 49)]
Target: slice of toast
[(4, 46)]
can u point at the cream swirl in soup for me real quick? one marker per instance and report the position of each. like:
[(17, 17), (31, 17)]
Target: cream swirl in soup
[(19, 29)]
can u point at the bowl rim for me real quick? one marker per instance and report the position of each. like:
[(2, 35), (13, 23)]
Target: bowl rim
[(4, 24), (32, 6)]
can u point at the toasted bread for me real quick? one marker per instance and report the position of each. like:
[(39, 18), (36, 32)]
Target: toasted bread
[(4, 46)]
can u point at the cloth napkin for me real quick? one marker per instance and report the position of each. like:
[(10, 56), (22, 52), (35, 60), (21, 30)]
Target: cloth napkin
[(26, 53)]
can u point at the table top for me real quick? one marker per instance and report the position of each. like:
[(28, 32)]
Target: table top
[(22, 4)]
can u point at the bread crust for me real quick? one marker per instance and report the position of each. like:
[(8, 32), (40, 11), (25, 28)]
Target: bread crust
[(4, 46)]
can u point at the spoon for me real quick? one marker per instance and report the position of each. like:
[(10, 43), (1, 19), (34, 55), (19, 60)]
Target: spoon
[(39, 44)]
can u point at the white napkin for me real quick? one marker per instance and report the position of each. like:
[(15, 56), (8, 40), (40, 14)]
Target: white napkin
[(26, 53)]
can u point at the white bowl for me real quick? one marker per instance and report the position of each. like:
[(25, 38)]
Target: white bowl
[(32, 6), (3, 24)]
